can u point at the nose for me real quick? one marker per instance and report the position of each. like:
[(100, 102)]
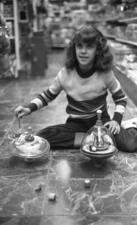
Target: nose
[(83, 49)]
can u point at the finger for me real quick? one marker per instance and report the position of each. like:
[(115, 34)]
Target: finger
[(107, 125), (17, 113), (113, 129), (18, 110), (117, 130), (20, 115)]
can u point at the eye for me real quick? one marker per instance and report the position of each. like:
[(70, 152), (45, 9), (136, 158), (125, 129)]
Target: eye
[(79, 45), (90, 45)]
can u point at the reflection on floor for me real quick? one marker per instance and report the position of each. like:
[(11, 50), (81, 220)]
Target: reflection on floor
[(52, 191)]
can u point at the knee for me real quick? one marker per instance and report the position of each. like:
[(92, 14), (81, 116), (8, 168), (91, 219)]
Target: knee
[(131, 145), (126, 140), (43, 133)]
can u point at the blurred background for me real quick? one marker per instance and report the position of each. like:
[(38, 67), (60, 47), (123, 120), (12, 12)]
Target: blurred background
[(31, 31)]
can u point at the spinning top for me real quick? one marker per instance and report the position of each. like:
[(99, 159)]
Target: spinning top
[(29, 136), (97, 142)]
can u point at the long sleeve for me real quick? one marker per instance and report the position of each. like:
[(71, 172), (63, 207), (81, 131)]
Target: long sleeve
[(118, 96), (46, 96)]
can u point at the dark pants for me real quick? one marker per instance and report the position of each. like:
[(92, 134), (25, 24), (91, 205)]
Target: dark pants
[(63, 136)]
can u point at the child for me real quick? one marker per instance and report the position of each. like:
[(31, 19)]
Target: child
[(86, 78)]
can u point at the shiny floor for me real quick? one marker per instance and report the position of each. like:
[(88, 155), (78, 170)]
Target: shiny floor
[(53, 191)]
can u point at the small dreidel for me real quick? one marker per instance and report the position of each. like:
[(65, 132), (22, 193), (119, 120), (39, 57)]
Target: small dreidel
[(38, 188), (52, 196), (87, 183)]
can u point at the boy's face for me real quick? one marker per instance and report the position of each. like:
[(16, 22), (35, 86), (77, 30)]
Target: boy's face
[(85, 53)]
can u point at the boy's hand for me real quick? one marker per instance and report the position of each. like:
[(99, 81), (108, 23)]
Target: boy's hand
[(113, 126), (21, 111)]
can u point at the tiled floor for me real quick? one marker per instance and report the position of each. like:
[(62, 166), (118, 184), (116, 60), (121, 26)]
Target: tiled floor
[(25, 188)]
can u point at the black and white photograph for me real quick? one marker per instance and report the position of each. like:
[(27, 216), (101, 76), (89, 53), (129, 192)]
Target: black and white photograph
[(68, 112)]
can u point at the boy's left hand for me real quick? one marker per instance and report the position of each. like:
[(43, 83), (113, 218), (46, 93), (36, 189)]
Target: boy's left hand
[(113, 126)]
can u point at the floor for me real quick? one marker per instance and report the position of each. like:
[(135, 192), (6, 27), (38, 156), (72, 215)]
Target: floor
[(52, 191)]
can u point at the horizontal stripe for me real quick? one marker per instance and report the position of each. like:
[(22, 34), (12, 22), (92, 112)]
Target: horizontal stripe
[(120, 109), (87, 105), (82, 116), (49, 95), (74, 108), (45, 98), (119, 97), (121, 102), (32, 106), (38, 102), (76, 111), (118, 94), (86, 115)]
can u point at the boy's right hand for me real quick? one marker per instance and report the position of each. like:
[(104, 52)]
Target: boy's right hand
[(22, 111)]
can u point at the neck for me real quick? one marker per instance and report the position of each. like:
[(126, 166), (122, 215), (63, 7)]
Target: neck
[(85, 68), (85, 71)]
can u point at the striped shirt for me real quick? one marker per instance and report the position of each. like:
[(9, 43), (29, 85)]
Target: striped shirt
[(85, 95)]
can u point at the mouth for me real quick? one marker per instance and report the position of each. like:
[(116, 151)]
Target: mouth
[(83, 58)]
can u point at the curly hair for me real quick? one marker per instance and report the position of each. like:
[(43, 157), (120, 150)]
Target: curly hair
[(103, 60)]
